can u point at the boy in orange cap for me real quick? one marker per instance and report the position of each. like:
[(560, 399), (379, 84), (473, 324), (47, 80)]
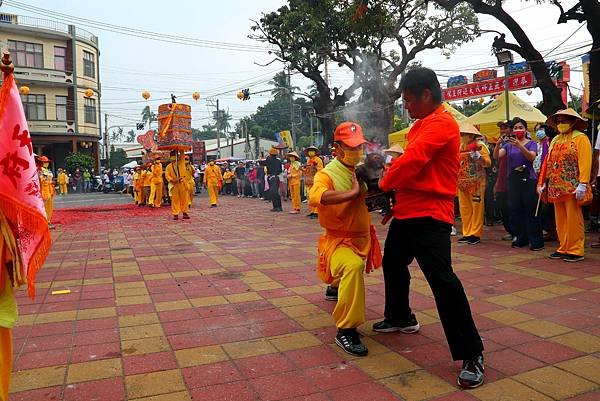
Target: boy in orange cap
[(349, 237)]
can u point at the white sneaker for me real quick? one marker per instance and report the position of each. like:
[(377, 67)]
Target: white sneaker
[(453, 232)]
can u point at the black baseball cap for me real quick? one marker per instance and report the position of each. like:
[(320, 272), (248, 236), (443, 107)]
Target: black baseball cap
[(507, 123)]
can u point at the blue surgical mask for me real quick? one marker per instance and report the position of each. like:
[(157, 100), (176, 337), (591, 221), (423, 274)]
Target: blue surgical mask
[(540, 134)]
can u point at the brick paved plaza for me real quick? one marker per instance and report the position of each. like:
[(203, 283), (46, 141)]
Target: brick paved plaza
[(227, 306)]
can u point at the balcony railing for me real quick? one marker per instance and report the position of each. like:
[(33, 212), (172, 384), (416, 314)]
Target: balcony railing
[(40, 23)]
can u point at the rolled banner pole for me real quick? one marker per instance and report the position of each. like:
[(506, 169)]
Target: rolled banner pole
[(537, 208)]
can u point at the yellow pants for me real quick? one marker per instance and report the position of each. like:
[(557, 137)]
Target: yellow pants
[(137, 196), (569, 227), (213, 190), (312, 209), (347, 267), (179, 199), (192, 190), (49, 206), (471, 213), (156, 194), (62, 188), (5, 361), (295, 194)]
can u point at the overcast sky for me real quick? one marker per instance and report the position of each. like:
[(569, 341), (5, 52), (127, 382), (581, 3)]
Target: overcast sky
[(129, 65)]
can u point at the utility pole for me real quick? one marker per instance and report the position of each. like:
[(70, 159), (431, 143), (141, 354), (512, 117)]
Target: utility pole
[(218, 132), (292, 132), (106, 154)]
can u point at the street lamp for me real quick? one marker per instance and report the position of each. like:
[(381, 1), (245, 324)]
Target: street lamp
[(505, 58)]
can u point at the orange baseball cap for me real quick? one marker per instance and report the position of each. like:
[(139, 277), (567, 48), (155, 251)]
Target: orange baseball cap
[(351, 134)]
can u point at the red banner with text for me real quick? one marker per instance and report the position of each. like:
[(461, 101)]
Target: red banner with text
[(489, 87)]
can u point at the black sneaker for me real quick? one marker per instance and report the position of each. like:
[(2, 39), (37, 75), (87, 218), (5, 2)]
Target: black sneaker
[(463, 240), (472, 373), (536, 248), (388, 326), (572, 258), (474, 240), (331, 293), (314, 216), (349, 341), (557, 255)]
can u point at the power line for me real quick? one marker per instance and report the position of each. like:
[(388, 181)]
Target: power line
[(137, 32)]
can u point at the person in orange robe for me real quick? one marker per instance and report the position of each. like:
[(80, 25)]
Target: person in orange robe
[(349, 237), (565, 175)]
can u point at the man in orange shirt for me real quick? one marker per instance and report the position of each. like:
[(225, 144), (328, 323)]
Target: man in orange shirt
[(424, 180), (349, 237)]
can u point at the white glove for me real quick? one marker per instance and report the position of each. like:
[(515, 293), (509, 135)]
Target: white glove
[(541, 189), (475, 155), (580, 191)]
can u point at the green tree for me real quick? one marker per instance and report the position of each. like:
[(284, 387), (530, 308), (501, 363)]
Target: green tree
[(118, 157), (282, 87), (79, 160), (148, 116), (470, 107), (552, 99), (576, 102), (116, 135), (307, 32), (301, 33), (222, 121), (130, 136), (587, 11), (207, 132)]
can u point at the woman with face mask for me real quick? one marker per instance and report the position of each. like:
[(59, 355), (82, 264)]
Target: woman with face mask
[(520, 152), (564, 178)]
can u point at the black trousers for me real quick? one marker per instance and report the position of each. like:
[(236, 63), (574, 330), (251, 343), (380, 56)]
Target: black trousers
[(502, 204), (274, 191), (428, 241), (522, 201)]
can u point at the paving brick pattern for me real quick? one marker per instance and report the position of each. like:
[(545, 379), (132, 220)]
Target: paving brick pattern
[(226, 306)]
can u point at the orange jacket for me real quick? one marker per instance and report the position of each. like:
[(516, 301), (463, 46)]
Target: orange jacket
[(425, 176)]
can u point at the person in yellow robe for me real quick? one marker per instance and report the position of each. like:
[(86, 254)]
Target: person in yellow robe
[(294, 175), (565, 180), (189, 171), (156, 184), (46, 187), (147, 183), (176, 176), (138, 186), (228, 180), (63, 180), (474, 158), (313, 165), (213, 180), (349, 237)]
